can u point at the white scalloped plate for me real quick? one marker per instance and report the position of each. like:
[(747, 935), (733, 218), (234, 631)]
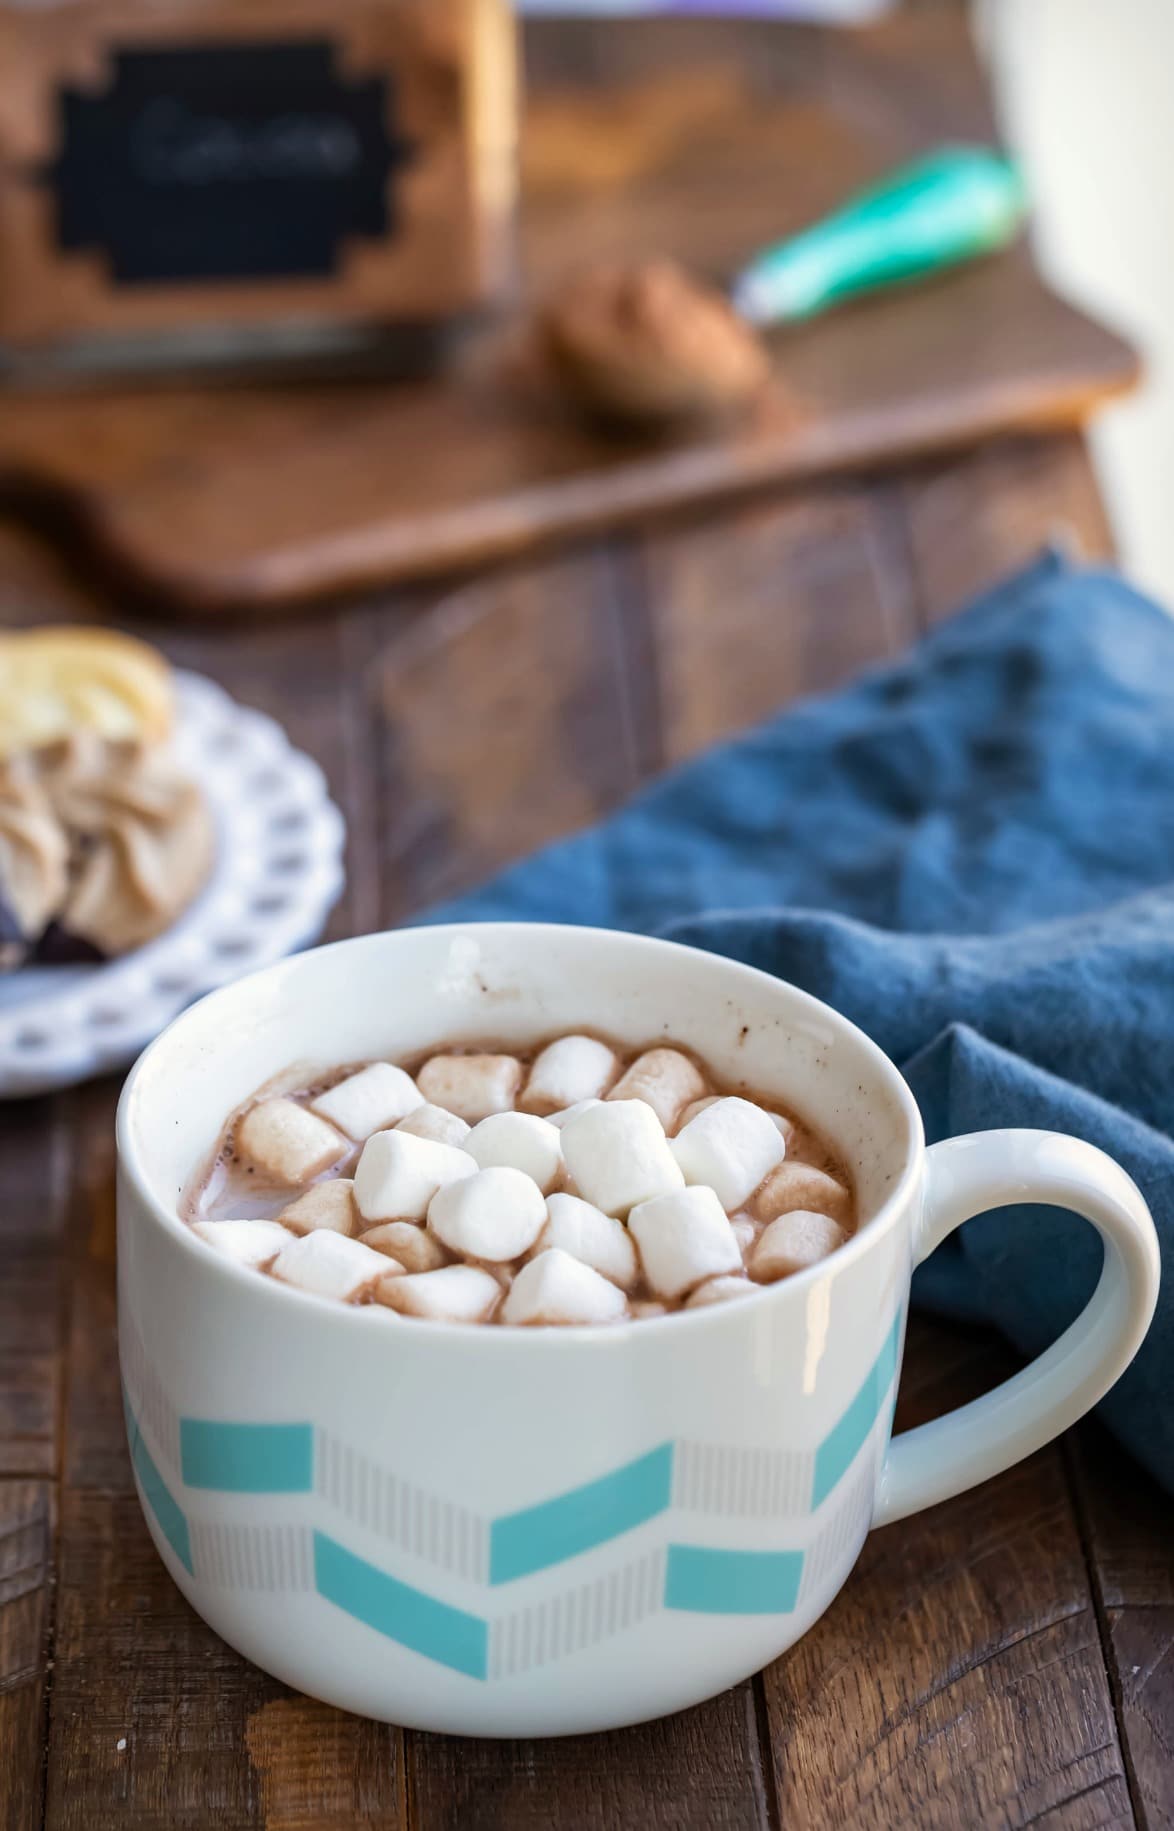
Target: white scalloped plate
[(278, 873)]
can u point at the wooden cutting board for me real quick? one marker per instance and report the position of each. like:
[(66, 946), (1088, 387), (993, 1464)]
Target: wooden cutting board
[(701, 138)]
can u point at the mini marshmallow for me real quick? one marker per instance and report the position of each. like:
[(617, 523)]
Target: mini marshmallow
[(398, 1174), (729, 1147), (719, 1290), (646, 1309), (329, 1204), (664, 1079), (696, 1106), (369, 1101), (618, 1155), (455, 1293), (792, 1243), (558, 1288), (569, 1112), (472, 1086), (287, 1143), (711, 1099), (801, 1185), (572, 1069), (329, 1265), (745, 1232), (587, 1233), (683, 1239), (323, 1205), (495, 1215), (434, 1123), (520, 1141), (408, 1243), (778, 1120), (248, 1242)]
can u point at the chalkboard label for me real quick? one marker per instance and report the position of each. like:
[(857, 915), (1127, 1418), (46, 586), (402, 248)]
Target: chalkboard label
[(226, 162)]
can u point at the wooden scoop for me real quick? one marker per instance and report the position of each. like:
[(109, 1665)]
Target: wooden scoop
[(644, 343)]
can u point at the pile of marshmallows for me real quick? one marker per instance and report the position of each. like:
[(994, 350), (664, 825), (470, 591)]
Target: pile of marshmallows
[(464, 1207)]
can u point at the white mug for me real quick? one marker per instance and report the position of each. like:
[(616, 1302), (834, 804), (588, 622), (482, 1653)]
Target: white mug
[(519, 1532)]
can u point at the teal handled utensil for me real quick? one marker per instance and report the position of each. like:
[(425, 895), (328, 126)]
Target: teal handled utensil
[(952, 206), (640, 343)]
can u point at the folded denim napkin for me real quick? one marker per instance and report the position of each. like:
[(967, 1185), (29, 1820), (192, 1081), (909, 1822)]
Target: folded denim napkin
[(970, 852)]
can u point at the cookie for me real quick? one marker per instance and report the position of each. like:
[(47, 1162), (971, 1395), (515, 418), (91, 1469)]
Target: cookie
[(58, 681), (102, 847), (34, 859)]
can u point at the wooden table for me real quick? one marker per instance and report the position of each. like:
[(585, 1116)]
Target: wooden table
[(1003, 1660)]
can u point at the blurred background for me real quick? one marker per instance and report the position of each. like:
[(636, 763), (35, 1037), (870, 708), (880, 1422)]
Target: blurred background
[(1082, 96), (143, 230)]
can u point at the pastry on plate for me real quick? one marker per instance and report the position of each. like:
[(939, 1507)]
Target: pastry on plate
[(34, 860), (61, 680), (103, 843)]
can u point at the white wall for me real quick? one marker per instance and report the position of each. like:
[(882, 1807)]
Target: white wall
[(1086, 92)]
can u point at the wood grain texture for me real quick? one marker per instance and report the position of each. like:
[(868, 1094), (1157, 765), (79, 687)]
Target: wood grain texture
[(26, 1569), (754, 609), (663, 135), (960, 1675), (33, 1156), (701, 1770), (980, 517), (319, 1769), (156, 1723), (505, 722), (1130, 1547), (37, 583), (297, 676), (95, 1454), (635, 671)]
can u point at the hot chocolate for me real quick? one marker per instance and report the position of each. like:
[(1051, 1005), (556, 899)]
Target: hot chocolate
[(575, 1182)]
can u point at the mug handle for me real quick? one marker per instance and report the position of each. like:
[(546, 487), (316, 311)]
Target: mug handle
[(967, 1176)]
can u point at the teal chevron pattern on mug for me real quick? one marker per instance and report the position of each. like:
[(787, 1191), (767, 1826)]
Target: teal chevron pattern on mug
[(209, 1457)]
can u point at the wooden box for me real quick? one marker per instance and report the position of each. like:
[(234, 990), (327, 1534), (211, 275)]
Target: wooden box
[(169, 164)]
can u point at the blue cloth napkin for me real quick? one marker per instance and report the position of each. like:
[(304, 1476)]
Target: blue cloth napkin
[(970, 852)]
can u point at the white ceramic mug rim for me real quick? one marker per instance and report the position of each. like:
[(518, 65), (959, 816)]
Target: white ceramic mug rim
[(531, 1341)]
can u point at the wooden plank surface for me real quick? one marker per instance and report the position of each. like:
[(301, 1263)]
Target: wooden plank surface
[(1001, 1660), (753, 609), (702, 1770), (158, 1725), (26, 1575), (978, 518), (32, 1153), (646, 137), (1130, 1547), (504, 721), (960, 1674)]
